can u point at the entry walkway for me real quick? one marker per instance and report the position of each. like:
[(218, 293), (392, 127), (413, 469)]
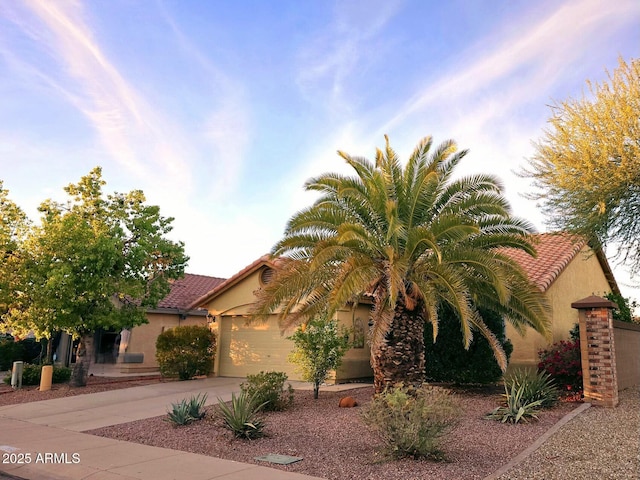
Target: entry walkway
[(42, 440)]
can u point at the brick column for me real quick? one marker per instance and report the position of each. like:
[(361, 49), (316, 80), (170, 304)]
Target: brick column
[(597, 351)]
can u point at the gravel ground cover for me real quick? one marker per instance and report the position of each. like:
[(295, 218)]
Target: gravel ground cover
[(602, 443), (336, 445)]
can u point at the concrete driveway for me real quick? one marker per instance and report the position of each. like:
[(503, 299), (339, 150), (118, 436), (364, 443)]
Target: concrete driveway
[(95, 410)]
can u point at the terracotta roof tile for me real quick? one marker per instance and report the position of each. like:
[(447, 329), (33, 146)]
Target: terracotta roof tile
[(185, 290), (555, 251)]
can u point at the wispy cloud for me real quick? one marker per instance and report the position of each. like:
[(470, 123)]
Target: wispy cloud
[(526, 61), (227, 128), (134, 133), (342, 47)]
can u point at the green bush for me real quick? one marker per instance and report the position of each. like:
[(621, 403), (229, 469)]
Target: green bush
[(186, 351), (412, 421), (241, 416), (535, 386), (448, 361), (10, 351), (185, 412), (31, 375), (319, 348), (267, 389), (517, 407)]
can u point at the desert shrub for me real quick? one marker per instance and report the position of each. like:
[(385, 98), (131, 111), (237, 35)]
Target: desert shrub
[(31, 375), (562, 362), (267, 389), (61, 374), (186, 351), (448, 361), (516, 407), (241, 416), (535, 386), (187, 411), (412, 421), (319, 348)]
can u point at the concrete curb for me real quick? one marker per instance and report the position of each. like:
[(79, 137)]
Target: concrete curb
[(535, 445)]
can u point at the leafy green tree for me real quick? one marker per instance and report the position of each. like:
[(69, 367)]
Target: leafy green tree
[(13, 228), (626, 307), (410, 238), (587, 164), (96, 261), (319, 347)]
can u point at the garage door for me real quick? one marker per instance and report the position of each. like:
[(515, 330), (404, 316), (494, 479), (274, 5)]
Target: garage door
[(249, 349)]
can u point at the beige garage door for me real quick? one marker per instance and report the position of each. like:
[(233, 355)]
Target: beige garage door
[(249, 349)]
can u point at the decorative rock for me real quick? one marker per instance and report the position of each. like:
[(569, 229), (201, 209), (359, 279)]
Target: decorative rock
[(348, 402)]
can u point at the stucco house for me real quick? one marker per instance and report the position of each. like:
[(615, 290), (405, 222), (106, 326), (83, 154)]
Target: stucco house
[(250, 347), (137, 348), (566, 269)]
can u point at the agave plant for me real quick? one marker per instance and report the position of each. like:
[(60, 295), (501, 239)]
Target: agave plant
[(517, 408), (241, 416), (536, 386)]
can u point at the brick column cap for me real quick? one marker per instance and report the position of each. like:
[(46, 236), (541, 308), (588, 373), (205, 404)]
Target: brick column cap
[(593, 302)]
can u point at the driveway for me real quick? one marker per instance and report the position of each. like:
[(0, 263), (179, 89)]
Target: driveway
[(86, 412)]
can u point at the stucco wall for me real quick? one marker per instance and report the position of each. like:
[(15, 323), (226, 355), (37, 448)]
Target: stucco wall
[(143, 339), (627, 347), (237, 301), (582, 277)]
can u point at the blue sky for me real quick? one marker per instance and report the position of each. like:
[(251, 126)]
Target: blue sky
[(220, 110)]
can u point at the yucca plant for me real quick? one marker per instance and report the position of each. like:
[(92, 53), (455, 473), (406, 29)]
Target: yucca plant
[(535, 386), (241, 416), (516, 408)]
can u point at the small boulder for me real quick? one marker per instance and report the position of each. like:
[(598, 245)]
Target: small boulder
[(348, 402)]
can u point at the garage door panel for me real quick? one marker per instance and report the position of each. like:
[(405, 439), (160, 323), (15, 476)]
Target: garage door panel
[(249, 349)]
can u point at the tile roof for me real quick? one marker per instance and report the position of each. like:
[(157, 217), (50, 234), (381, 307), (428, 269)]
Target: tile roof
[(185, 290), (555, 251), (204, 297)]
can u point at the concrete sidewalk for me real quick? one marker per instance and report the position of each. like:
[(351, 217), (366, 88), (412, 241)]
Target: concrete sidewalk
[(42, 440)]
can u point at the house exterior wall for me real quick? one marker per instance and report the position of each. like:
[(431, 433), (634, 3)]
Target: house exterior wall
[(583, 276), (262, 346), (143, 339)]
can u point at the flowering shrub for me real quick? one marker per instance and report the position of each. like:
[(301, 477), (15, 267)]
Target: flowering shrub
[(562, 363)]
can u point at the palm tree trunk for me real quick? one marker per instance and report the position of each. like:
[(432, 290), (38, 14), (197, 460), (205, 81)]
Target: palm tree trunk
[(80, 372), (400, 359)]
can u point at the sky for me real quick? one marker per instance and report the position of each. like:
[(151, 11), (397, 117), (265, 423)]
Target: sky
[(220, 110)]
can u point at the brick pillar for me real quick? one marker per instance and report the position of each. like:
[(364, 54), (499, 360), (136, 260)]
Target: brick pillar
[(597, 351)]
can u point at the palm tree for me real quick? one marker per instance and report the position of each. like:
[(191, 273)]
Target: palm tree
[(409, 238)]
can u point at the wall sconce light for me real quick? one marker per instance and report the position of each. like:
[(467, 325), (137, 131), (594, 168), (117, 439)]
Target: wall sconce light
[(211, 318)]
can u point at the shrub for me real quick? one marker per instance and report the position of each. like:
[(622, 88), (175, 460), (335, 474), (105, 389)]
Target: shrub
[(517, 407), (241, 416), (562, 362), (411, 421), (185, 412), (319, 348), (186, 351), (267, 389), (31, 375), (535, 386), (448, 361)]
